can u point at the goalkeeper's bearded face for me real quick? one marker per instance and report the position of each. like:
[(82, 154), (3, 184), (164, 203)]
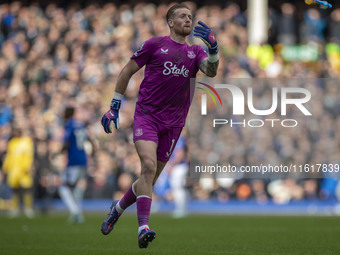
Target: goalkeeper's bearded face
[(182, 22)]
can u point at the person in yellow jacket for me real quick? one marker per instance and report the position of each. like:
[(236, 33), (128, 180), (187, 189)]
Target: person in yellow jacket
[(17, 168)]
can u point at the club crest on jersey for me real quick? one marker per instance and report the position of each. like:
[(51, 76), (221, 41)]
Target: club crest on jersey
[(191, 54), (139, 132)]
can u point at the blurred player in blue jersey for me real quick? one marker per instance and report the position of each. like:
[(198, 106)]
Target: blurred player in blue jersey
[(74, 182), (162, 107), (178, 170)]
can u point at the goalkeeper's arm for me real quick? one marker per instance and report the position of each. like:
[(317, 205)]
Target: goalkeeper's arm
[(208, 65), (124, 77), (112, 115)]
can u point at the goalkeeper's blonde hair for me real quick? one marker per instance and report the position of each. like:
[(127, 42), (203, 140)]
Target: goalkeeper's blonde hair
[(171, 11)]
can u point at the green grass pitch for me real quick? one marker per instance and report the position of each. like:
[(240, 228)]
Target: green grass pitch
[(197, 234)]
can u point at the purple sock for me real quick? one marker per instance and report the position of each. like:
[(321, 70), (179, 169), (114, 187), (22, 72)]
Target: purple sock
[(143, 210), (128, 199)]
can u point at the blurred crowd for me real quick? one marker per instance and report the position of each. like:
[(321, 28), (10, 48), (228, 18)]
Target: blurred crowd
[(53, 56)]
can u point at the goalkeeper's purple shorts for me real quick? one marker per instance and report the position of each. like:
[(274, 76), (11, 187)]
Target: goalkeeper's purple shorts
[(164, 136)]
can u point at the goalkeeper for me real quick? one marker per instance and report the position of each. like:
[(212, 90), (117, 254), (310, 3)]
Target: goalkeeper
[(162, 106)]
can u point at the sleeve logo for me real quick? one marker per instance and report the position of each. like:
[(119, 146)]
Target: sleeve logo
[(140, 48)]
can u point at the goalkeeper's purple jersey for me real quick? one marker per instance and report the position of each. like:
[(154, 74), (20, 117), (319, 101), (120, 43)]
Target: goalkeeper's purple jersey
[(164, 94)]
